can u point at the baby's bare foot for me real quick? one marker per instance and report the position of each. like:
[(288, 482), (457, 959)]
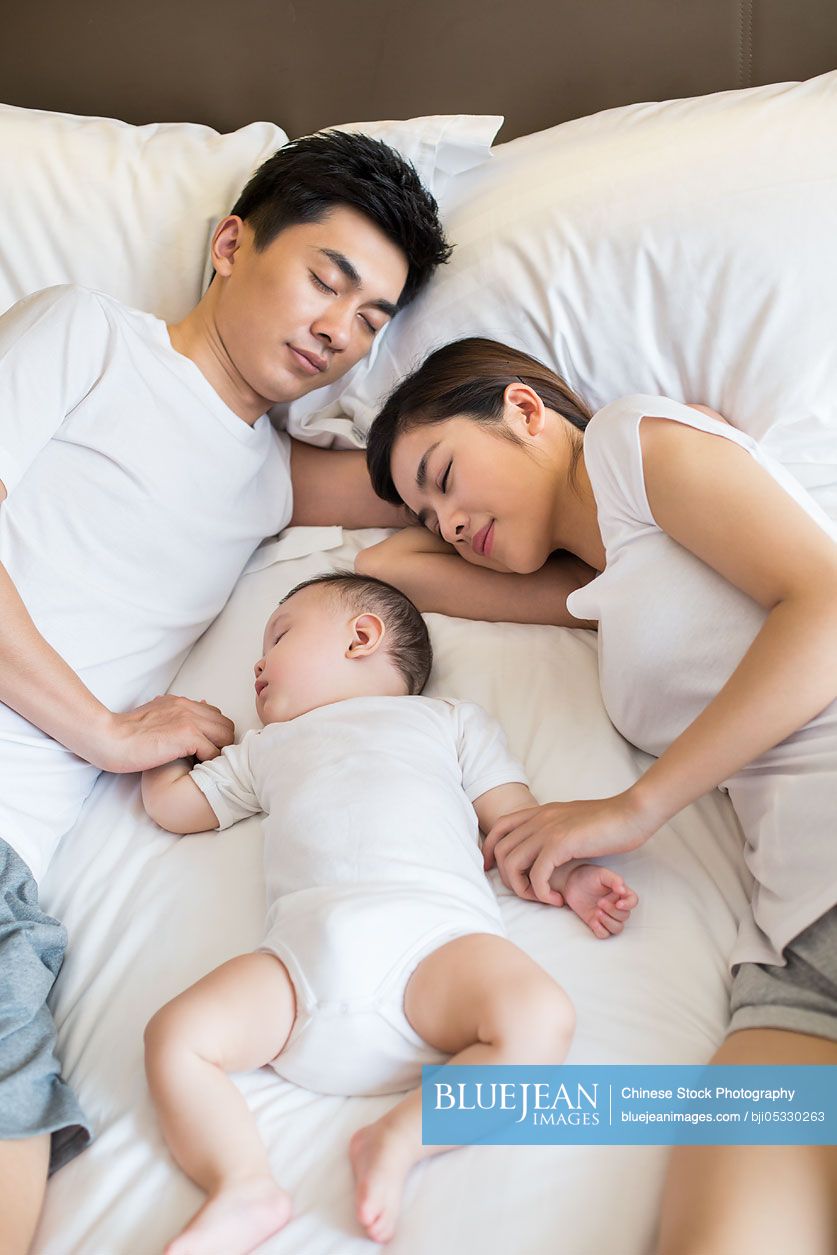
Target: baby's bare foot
[(381, 1157), (237, 1219)]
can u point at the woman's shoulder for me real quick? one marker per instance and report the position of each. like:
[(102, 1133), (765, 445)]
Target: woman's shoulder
[(630, 409), (614, 430), (613, 450)]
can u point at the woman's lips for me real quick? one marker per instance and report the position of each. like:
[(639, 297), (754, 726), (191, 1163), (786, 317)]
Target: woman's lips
[(483, 540)]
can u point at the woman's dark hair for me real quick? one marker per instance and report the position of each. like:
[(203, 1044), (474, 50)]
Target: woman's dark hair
[(407, 641), (309, 177), (467, 378)]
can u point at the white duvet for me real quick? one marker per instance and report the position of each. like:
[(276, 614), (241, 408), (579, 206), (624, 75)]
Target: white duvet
[(149, 913)]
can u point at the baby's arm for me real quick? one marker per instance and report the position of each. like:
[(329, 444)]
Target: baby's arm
[(173, 800), (598, 895)]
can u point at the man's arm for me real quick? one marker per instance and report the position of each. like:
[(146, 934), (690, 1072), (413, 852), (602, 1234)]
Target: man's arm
[(437, 580), (37, 683), (332, 487), (173, 800)]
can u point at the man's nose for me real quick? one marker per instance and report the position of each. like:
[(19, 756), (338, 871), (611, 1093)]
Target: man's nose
[(333, 328)]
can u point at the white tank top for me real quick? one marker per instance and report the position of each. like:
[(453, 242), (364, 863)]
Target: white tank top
[(671, 633)]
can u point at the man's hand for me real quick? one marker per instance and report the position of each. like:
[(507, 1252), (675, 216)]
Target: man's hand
[(528, 845), (158, 732)]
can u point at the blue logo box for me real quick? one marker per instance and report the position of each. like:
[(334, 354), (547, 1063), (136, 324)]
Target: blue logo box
[(629, 1105)]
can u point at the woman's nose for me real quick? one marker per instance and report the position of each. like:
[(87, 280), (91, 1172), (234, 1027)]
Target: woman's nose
[(453, 526), (259, 667)]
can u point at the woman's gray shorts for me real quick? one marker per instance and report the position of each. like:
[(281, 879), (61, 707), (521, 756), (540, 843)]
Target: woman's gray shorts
[(802, 996), (33, 1097)]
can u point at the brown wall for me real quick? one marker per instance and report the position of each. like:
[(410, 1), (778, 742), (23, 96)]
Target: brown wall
[(306, 65)]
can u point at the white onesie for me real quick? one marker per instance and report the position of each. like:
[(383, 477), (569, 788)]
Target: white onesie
[(671, 633), (371, 861)]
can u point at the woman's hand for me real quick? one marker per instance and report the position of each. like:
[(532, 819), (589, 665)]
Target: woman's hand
[(528, 845)]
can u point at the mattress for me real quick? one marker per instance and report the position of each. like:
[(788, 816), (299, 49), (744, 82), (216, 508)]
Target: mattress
[(149, 913)]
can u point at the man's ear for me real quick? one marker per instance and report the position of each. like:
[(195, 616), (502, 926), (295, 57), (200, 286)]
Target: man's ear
[(226, 242), (368, 632)]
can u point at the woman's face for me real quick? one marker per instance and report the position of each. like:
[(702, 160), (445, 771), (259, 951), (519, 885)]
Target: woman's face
[(491, 499)]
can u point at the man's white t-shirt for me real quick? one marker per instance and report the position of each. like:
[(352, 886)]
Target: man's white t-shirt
[(365, 793), (135, 498)]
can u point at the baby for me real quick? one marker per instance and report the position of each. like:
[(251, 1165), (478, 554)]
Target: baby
[(384, 946)]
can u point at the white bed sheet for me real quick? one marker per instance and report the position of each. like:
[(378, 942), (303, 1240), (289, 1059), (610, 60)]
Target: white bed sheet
[(149, 913)]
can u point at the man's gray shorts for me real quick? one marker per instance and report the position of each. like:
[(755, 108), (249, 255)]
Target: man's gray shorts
[(802, 996), (33, 1097)]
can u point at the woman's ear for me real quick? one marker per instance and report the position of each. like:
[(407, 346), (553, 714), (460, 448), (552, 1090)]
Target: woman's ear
[(367, 634), (525, 411)]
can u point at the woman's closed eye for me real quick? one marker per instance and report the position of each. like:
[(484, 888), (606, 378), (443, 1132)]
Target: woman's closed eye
[(443, 482)]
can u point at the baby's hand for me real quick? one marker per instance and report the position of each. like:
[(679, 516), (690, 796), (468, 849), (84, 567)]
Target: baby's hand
[(600, 897)]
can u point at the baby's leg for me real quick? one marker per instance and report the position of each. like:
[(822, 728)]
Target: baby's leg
[(236, 1018), (482, 1000)]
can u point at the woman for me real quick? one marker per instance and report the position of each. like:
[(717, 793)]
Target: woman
[(710, 571)]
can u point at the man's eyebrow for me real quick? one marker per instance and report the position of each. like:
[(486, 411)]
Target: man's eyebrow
[(346, 268)]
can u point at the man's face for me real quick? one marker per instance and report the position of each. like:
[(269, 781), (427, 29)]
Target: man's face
[(299, 314)]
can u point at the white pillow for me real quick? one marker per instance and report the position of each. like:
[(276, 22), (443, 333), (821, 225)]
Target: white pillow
[(687, 248), (124, 209), (130, 209)]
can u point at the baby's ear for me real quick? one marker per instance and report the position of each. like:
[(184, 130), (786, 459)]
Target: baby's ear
[(367, 634)]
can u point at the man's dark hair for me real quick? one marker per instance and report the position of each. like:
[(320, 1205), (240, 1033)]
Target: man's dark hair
[(407, 641), (309, 177)]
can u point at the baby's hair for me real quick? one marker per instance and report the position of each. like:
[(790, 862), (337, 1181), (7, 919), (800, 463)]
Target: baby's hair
[(407, 641)]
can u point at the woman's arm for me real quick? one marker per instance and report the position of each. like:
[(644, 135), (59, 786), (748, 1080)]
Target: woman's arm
[(712, 497), (436, 579)]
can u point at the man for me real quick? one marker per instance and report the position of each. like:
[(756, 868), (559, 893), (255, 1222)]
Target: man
[(138, 471)]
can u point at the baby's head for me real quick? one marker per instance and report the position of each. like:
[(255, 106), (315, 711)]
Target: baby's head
[(340, 636)]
